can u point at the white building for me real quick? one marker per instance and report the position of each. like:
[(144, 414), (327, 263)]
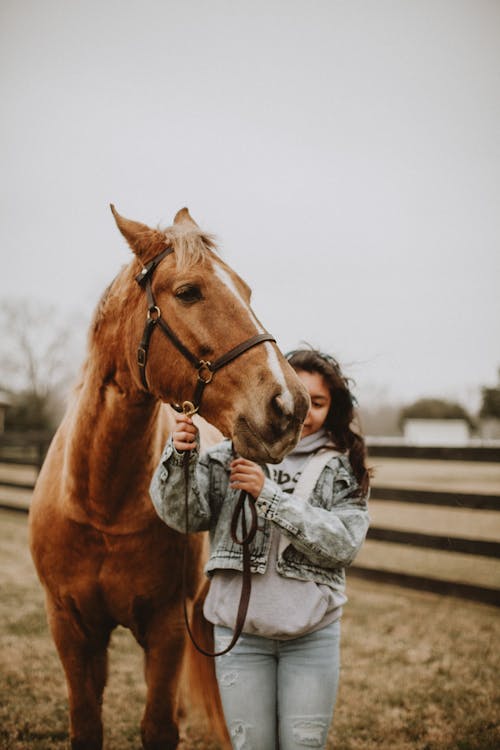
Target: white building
[(436, 431)]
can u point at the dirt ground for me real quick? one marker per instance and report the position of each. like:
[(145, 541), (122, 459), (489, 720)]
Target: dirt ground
[(419, 671)]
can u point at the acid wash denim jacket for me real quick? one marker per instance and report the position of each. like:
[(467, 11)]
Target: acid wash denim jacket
[(325, 531)]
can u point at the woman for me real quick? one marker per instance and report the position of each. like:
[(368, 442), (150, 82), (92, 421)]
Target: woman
[(279, 682)]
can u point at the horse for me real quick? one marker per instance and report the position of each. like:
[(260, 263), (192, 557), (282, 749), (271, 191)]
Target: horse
[(103, 556)]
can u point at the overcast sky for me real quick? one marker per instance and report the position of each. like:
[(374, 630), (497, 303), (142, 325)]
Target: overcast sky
[(346, 153)]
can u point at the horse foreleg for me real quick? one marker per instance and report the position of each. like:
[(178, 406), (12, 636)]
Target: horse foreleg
[(164, 650), (83, 654)]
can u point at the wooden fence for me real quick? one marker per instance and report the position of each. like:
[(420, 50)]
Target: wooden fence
[(446, 543), (30, 450), (24, 448)]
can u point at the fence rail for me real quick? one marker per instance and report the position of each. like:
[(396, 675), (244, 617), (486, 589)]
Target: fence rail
[(24, 448), (426, 497), (483, 594), (396, 449), (17, 485), (35, 446), (435, 541)]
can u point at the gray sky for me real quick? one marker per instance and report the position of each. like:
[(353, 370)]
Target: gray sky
[(346, 154)]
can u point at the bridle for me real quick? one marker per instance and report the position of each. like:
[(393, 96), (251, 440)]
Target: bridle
[(205, 370)]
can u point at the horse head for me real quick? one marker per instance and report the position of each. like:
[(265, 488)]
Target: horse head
[(178, 283)]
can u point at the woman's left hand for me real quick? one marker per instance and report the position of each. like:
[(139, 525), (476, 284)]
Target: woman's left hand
[(247, 476)]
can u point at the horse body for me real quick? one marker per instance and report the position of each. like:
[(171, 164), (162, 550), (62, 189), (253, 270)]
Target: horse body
[(100, 550)]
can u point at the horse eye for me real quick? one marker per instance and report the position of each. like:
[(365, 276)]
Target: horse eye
[(189, 294)]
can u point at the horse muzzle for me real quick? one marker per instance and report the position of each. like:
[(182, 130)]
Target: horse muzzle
[(269, 440)]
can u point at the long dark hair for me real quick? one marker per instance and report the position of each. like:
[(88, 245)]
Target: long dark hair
[(341, 414)]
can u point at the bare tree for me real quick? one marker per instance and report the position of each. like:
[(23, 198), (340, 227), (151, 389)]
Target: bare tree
[(37, 360)]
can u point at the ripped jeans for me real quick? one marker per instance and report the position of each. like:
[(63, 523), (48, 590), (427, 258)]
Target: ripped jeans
[(279, 694)]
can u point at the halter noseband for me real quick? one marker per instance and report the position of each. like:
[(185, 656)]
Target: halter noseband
[(204, 368)]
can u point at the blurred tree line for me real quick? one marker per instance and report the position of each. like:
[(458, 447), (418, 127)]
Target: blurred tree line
[(435, 408), (490, 407), (36, 363), (388, 418)]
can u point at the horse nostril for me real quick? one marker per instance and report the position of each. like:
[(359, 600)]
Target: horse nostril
[(280, 407)]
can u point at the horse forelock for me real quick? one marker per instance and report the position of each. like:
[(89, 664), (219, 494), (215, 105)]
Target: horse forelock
[(191, 244)]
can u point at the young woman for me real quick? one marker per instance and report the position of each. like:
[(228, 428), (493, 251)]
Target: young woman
[(278, 684)]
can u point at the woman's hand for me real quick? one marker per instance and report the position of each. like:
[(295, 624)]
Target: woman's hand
[(247, 476), (184, 435)]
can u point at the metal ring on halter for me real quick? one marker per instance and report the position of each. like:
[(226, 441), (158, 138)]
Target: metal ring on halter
[(157, 313), (204, 369), (189, 408)]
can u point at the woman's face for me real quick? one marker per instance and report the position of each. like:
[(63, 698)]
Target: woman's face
[(320, 401)]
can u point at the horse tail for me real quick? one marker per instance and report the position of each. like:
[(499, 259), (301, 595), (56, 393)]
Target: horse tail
[(203, 688)]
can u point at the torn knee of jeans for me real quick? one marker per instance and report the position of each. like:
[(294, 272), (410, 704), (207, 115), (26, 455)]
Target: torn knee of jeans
[(310, 731), (228, 678), (238, 731)]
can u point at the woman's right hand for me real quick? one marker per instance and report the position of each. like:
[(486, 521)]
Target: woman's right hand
[(185, 433)]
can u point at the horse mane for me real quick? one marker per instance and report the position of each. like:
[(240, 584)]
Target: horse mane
[(100, 309)]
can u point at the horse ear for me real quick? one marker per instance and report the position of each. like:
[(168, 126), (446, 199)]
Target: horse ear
[(138, 236), (184, 217)]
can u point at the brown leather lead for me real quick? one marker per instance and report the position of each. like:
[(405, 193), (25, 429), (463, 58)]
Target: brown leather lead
[(245, 540)]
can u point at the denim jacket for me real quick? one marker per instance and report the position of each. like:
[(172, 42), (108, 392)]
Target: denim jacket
[(325, 531)]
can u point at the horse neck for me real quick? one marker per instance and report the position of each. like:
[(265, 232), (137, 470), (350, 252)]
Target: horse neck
[(116, 434)]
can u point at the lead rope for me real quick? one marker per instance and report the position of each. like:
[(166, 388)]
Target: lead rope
[(245, 540)]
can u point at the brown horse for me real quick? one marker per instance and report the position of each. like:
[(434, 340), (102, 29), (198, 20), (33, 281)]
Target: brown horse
[(102, 555)]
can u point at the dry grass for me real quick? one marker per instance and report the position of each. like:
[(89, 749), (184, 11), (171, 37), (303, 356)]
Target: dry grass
[(419, 671)]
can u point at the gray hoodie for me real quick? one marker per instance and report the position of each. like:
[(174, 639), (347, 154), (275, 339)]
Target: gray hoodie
[(279, 607)]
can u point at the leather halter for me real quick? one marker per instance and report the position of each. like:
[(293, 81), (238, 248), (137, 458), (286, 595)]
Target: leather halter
[(204, 368)]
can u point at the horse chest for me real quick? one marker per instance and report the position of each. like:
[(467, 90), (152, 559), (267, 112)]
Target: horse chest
[(102, 571)]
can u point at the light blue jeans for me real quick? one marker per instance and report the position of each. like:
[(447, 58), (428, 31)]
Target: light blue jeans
[(279, 694)]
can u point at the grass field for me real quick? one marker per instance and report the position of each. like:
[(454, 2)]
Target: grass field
[(419, 671)]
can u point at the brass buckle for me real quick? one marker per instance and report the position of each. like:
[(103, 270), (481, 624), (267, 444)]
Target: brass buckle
[(205, 374), (189, 408), (154, 313)]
